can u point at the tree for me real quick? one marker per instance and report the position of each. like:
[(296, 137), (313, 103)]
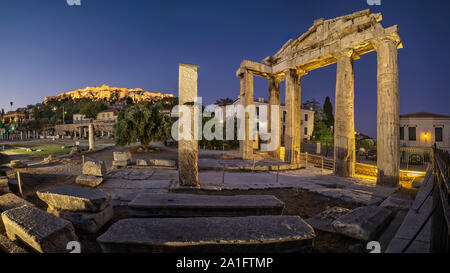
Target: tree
[(322, 132), (90, 109), (328, 110), (143, 123), (312, 104), (223, 102)]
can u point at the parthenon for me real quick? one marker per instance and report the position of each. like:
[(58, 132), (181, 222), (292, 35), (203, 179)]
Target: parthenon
[(341, 40)]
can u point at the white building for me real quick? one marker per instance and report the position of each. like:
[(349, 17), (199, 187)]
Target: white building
[(422, 129), (307, 119)]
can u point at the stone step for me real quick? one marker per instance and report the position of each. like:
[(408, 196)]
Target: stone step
[(194, 205), (253, 234), (39, 230)]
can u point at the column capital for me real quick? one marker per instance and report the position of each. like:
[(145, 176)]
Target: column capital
[(296, 70), (241, 71), (277, 77), (348, 53), (386, 39)]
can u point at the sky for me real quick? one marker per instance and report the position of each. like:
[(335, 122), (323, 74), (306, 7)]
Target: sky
[(48, 47)]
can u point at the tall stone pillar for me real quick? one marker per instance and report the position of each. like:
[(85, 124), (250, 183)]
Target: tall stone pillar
[(246, 96), (293, 116), (91, 137), (80, 132), (274, 100), (188, 149), (388, 131), (344, 116)]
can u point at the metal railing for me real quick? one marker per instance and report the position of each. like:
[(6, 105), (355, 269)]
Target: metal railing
[(440, 220)]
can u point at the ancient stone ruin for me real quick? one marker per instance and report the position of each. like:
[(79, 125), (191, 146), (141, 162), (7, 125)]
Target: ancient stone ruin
[(341, 40)]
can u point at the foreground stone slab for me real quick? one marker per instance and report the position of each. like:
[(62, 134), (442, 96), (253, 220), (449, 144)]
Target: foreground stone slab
[(75, 198), (119, 164), (122, 156), (193, 205), (94, 168), (89, 180), (323, 220), (4, 187), (141, 162), (17, 164), (85, 221), (253, 234), (41, 231), (162, 163), (9, 247), (10, 201), (397, 202), (363, 223)]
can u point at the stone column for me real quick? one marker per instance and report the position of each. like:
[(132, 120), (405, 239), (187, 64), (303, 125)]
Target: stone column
[(80, 132), (388, 140), (293, 116), (274, 100), (188, 149), (344, 116), (91, 137), (246, 99)]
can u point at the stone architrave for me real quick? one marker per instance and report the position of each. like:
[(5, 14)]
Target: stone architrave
[(188, 149), (388, 111), (344, 118)]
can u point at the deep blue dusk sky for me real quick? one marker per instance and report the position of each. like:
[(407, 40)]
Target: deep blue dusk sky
[(48, 47)]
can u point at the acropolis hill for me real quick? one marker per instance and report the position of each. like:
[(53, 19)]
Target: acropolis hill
[(107, 93)]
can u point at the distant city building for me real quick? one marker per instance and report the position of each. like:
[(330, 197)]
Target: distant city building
[(422, 129), (108, 116), (307, 118), (14, 117)]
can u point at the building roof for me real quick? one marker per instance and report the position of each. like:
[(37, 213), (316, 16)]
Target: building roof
[(423, 115)]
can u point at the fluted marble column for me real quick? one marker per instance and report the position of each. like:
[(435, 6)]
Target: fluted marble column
[(274, 100), (344, 117), (388, 140), (293, 116), (246, 99)]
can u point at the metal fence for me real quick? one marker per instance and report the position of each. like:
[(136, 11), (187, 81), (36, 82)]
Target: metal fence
[(440, 221)]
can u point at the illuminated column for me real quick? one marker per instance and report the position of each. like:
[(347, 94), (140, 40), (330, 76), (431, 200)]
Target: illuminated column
[(91, 137), (188, 148), (274, 100), (344, 122), (293, 116), (246, 99), (388, 140)]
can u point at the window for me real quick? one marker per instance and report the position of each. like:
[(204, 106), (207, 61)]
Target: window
[(438, 134), (306, 117), (412, 133), (402, 133), (306, 130)]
